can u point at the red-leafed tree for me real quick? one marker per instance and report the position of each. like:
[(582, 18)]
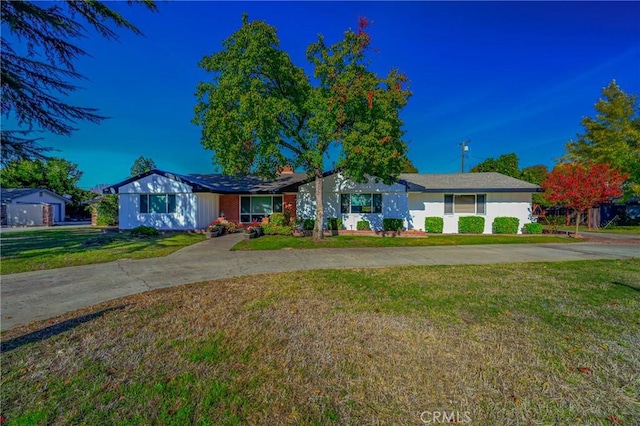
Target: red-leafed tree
[(582, 186)]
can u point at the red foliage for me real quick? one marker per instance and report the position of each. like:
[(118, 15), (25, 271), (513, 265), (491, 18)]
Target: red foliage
[(364, 37), (583, 186), (363, 22), (370, 99)]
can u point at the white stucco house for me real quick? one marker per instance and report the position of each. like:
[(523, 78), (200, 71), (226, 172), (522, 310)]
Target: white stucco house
[(171, 201), (24, 206), (416, 196)]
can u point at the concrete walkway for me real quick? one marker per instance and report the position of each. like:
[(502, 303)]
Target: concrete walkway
[(38, 295)]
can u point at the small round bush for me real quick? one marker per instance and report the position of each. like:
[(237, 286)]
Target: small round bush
[(392, 224), (308, 224), (433, 224), (505, 225), (363, 225), (144, 231), (278, 219), (334, 223), (533, 228)]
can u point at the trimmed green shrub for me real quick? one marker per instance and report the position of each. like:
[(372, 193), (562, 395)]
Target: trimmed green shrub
[(471, 225), (433, 224), (144, 231), (308, 224), (505, 225), (273, 229), (363, 225), (278, 219), (334, 223), (532, 228), (392, 224), (107, 210)]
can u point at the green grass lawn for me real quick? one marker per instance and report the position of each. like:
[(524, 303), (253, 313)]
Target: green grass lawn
[(536, 343), (613, 229), (276, 242), (56, 248)]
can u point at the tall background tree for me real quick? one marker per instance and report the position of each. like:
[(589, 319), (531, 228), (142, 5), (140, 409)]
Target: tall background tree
[(582, 186), (507, 164), (35, 83), (261, 112), (142, 165), (55, 174), (612, 136)]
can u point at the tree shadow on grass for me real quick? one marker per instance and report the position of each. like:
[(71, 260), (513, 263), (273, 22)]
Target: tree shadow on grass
[(54, 330), (626, 285)]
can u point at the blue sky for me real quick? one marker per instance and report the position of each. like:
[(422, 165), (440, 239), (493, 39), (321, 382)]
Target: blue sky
[(509, 76)]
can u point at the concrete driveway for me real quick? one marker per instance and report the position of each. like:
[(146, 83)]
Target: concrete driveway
[(39, 295)]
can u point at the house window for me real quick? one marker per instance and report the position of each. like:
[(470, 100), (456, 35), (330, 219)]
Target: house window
[(256, 207), (465, 204), (157, 203), (361, 203)]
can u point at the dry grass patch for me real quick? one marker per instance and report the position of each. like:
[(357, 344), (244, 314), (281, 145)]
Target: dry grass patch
[(510, 344)]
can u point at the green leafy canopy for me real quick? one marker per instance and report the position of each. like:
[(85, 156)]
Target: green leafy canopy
[(261, 112), (612, 137)]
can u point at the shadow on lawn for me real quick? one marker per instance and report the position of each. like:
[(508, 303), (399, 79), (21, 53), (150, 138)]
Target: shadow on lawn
[(626, 285), (54, 330)]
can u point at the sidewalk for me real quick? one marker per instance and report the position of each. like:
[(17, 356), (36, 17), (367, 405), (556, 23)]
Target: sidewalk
[(38, 295)]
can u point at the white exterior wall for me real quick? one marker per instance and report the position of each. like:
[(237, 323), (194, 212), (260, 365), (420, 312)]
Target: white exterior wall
[(394, 201), (45, 197), (25, 214), (191, 209), (512, 204), (208, 209)]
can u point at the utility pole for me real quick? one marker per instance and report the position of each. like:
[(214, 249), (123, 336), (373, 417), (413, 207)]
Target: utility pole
[(465, 148)]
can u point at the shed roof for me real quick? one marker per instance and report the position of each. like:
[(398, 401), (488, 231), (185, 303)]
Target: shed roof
[(466, 182)]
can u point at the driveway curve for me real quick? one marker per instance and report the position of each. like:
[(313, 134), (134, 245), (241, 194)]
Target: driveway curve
[(38, 295)]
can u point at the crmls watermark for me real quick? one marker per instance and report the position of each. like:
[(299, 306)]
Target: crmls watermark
[(434, 417)]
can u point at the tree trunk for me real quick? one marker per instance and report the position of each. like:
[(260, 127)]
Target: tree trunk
[(577, 222), (318, 233)]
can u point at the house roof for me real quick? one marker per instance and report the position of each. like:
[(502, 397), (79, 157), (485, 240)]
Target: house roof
[(465, 182), (222, 184), (10, 194)]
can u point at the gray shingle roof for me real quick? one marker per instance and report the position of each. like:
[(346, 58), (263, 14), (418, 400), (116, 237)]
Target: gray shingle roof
[(10, 194), (221, 184), (466, 182), (247, 184)]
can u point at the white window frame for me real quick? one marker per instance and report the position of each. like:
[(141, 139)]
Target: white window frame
[(372, 204), (170, 205), (257, 216), (476, 211)]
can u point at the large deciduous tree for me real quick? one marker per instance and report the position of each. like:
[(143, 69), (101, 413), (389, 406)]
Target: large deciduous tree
[(613, 136), (261, 112), (38, 75), (582, 186)]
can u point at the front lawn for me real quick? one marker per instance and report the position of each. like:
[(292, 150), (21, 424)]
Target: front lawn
[(612, 230), (545, 343), (277, 242), (59, 247)]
